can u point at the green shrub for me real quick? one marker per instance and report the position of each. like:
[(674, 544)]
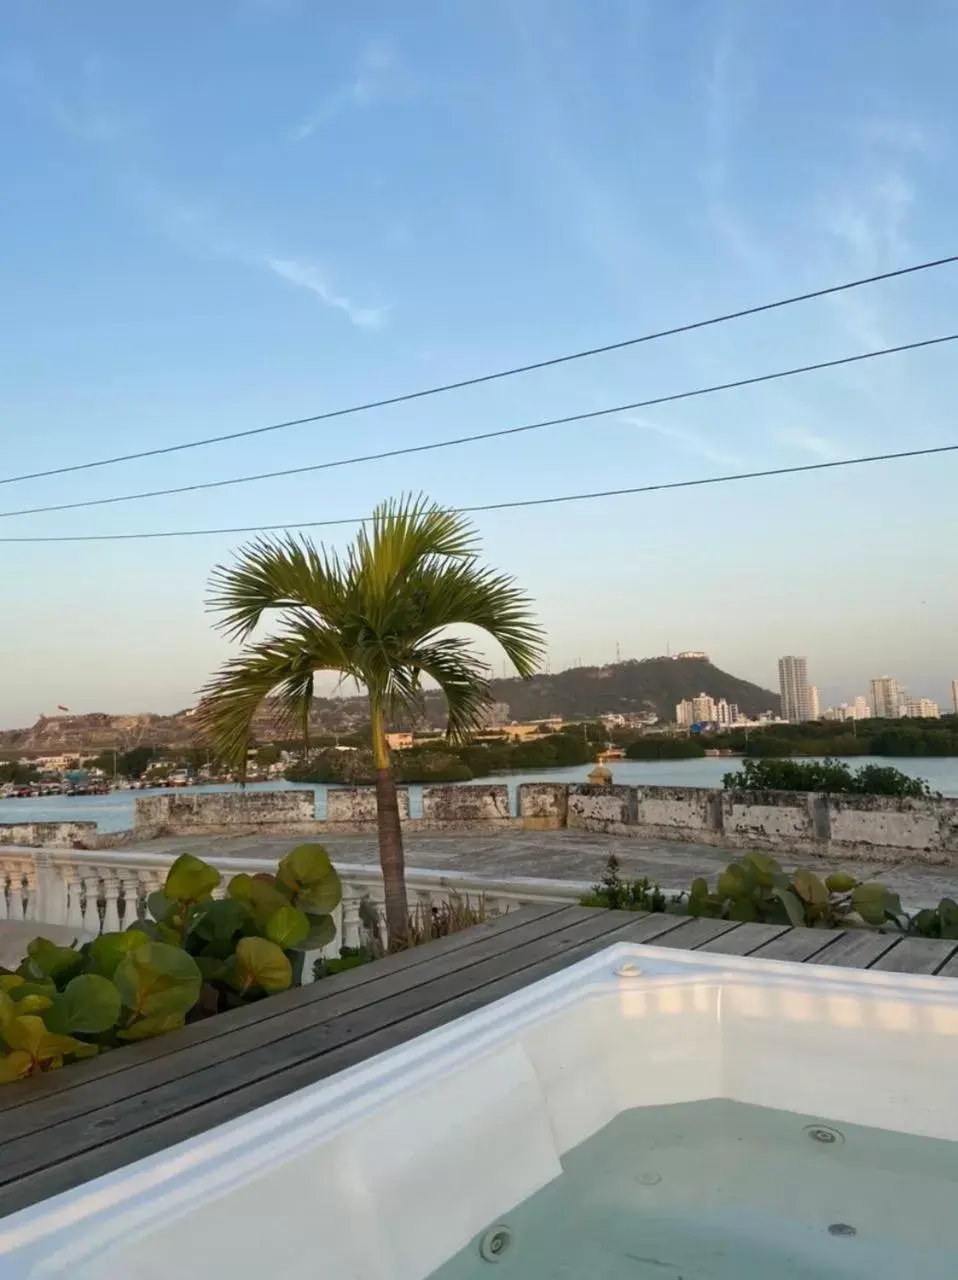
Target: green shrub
[(829, 776), (194, 956), (628, 895)]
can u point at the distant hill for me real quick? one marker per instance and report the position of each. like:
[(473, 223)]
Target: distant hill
[(652, 684)]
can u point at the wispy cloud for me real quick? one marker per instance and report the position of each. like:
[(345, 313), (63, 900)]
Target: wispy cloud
[(371, 82), (306, 275), (690, 442), (818, 446), (899, 134), (197, 230), (82, 114)]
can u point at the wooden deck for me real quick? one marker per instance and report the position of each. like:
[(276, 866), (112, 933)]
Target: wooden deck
[(61, 1130)]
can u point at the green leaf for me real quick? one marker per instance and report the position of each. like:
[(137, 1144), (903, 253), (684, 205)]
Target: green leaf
[(240, 887), (190, 879), (213, 968), (35, 1004), (262, 964), (792, 905), (869, 901), (745, 910), (15, 1066), (265, 899), (322, 897), (8, 1010), (158, 980), (287, 927), (700, 888), (147, 1028), (306, 864), (840, 882), (737, 881), (30, 1034), (10, 980), (108, 950), (322, 931), (24, 990), (810, 888), (159, 906), (60, 964), (90, 1003), (765, 868), (219, 920)]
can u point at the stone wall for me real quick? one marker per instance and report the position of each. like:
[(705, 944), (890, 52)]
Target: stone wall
[(181, 813), (57, 835), (543, 806), (873, 828), (608, 809), (357, 805), (463, 808)]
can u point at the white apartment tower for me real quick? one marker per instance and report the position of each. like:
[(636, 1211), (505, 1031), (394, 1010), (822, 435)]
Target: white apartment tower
[(954, 695), (793, 686), (814, 703), (887, 698)]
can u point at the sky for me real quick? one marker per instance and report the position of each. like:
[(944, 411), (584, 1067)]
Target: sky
[(221, 216)]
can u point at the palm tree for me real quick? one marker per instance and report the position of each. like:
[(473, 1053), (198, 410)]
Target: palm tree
[(382, 615)]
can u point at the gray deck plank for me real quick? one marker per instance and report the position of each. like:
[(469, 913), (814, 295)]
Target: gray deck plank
[(695, 933), (330, 1024), (331, 998), (856, 949), (916, 955), (950, 968), (225, 1023), (797, 945), (71, 1169), (746, 939)]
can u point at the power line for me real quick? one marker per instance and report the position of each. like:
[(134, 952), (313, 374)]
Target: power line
[(483, 435), (505, 506), (407, 396)]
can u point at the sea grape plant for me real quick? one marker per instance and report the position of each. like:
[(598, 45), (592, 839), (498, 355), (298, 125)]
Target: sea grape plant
[(192, 956)]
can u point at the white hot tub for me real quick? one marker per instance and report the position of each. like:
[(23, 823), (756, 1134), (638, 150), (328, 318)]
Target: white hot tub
[(646, 1113)]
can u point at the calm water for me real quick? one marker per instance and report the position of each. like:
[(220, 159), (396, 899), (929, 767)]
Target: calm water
[(114, 812), (722, 1191)]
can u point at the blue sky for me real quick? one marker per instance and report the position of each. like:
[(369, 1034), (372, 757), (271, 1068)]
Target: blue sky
[(222, 215)]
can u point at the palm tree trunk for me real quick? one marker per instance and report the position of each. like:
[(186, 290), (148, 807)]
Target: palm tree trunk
[(391, 856)]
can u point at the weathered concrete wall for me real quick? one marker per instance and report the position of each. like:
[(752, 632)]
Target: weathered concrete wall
[(58, 835), (358, 804), (601, 808), (778, 817), (229, 811), (688, 809), (465, 807), (543, 806), (924, 829)]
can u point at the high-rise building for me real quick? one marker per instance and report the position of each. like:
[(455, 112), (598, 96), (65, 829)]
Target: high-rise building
[(860, 708), (683, 714), (814, 704), (733, 713), (704, 709), (954, 695), (793, 686), (887, 698), (922, 709)]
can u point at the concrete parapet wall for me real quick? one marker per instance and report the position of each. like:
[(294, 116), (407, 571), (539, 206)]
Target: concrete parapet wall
[(358, 804), (56, 835), (601, 808), (543, 805), (465, 807), (687, 809), (874, 828), (227, 811)]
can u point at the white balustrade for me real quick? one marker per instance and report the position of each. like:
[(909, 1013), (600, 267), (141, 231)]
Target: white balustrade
[(105, 890)]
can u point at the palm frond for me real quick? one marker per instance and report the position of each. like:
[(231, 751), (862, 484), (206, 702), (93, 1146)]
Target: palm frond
[(404, 532), (275, 573), (463, 677), (468, 595), (278, 668)]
